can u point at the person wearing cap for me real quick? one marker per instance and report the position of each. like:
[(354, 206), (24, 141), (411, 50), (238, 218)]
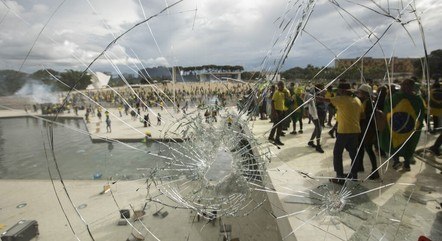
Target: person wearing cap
[(349, 112), (277, 114), (367, 136)]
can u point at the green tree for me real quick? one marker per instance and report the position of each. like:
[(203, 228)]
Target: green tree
[(434, 64), (75, 79), (115, 81), (11, 81), (45, 75)]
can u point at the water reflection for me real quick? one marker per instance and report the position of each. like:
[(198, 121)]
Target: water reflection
[(22, 155)]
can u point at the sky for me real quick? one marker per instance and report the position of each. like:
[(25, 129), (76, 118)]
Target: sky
[(70, 34)]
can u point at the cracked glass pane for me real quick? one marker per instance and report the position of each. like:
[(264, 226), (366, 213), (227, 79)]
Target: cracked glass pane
[(187, 152)]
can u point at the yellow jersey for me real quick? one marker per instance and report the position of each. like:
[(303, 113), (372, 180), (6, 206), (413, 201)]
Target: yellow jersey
[(278, 99), (349, 113)]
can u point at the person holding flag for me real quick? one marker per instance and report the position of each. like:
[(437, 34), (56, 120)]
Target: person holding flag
[(404, 115), (436, 104)]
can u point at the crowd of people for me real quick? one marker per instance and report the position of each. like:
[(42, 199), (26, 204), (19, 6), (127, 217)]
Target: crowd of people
[(136, 101), (369, 117), (198, 94)]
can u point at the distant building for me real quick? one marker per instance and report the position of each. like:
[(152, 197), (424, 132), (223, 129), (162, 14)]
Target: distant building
[(219, 75), (399, 67)]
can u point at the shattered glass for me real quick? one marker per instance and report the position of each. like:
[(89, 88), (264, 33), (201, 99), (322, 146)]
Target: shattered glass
[(192, 176)]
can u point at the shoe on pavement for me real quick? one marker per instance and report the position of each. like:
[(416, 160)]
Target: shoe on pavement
[(405, 169), (319, 149), (353, 176), (300, 132), (397, 165), (310, 143), (293, 132), (332, 134), (374, 176), (279, 143), (337, 180), (434, 150)]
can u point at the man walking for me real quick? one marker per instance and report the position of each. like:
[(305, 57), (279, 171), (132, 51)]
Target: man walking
[(349, 111), (277, 113)]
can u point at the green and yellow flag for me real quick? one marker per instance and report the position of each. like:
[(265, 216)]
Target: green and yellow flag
[(403, 119)]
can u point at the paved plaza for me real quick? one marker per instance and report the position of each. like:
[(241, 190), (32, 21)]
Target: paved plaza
[(397, 205)]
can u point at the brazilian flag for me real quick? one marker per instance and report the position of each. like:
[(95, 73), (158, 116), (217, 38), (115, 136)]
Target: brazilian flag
[(405, 117), (297, 101), (436, 102)]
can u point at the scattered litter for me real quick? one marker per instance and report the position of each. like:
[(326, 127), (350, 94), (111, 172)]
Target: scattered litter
[(97, 175), (21, 205), (139, 214), (106, 189), (84, 205), (122, 222), (124, 213)]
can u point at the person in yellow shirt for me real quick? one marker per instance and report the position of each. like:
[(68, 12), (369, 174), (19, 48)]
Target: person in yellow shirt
[(277, 113), (349, 113)]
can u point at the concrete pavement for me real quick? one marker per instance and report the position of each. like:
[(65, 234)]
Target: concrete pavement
[(295, 171)]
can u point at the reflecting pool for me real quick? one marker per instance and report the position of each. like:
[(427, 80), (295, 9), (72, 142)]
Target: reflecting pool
[(22, 152)]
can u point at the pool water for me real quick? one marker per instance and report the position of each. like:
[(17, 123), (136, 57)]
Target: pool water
[(22, 152)]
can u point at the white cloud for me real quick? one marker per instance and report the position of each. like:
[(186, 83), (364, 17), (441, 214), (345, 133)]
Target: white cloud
[(12, 6), (40, 9), (223, 32)]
